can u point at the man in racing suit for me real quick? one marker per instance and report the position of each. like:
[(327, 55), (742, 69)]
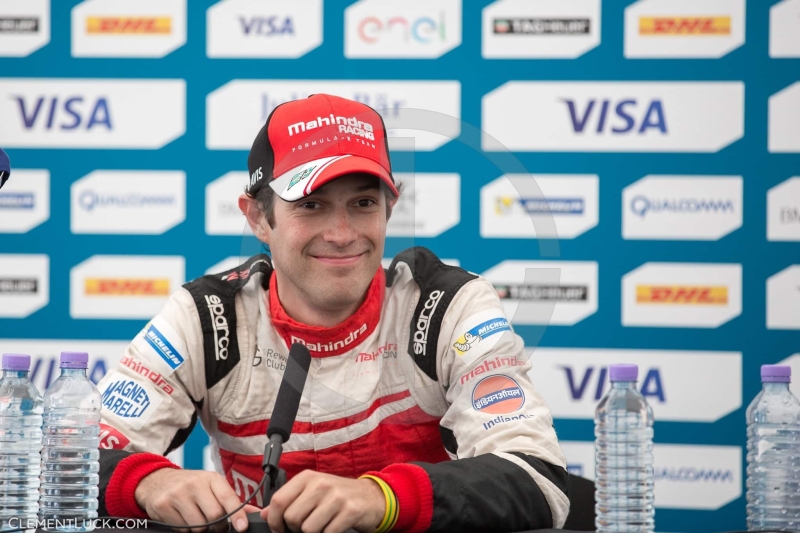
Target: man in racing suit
[(421, 383)]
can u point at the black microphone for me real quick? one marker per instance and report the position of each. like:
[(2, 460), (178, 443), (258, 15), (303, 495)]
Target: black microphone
[(280, 426)]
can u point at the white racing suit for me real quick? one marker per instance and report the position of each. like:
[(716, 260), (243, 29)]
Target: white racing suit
[(426, 386)]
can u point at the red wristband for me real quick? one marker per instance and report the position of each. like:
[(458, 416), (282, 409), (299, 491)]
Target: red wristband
[(412, 486), (120, 493)]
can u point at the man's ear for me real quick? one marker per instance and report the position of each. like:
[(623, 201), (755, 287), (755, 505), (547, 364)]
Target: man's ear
[(390, 203), (255, 218)]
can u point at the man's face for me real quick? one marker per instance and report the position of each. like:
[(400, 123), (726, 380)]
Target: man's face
[(327, 246)]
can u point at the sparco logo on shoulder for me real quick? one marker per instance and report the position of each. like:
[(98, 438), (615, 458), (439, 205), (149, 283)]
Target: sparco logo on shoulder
[(221, 331), (424, 322)]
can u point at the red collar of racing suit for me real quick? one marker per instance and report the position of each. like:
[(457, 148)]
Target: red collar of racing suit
[(336, 340)]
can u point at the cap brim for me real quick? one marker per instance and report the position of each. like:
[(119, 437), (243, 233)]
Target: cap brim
[(301, 181)]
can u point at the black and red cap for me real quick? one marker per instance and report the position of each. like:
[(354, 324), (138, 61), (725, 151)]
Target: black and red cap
[(306, 143)]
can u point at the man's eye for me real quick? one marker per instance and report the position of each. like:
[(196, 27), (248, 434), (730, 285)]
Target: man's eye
[(309, 205), (366, 202)]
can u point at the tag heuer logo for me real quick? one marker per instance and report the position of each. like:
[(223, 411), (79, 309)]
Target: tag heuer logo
[(300, 176)]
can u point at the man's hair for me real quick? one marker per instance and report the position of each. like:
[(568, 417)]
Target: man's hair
[(265, 200)]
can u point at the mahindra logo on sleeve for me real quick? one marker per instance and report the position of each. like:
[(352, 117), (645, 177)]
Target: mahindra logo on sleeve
[(613, 116), (783, 211), (544, 29), (243, 28), (220, 325), (24, 27), (102, 113), (684, 28), (424, 322), (784, 29), (128, 28)]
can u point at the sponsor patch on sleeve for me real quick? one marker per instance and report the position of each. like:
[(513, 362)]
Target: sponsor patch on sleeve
[(479, 333), (129, 399), (166, 343), (111, 438)]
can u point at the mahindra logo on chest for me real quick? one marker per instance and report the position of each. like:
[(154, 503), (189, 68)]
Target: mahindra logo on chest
[(332, 346), (220, 323), (424, 322)]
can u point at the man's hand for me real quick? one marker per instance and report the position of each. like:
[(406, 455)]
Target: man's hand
[(314, 503), (190, 497)]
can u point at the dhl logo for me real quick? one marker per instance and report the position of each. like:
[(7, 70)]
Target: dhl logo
[(684, 25), (143, 25), (681, 294), (126, 287)]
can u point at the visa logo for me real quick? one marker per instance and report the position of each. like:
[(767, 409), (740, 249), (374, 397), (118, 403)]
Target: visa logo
[(266, 25), (595, 378), (64, 113), (626, 116)]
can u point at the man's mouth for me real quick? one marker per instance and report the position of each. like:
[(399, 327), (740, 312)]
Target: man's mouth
[(339, 260)]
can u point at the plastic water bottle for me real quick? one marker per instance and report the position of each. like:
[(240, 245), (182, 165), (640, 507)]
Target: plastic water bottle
[(773, 454), (624, 457), (69, 482), (20, 443)]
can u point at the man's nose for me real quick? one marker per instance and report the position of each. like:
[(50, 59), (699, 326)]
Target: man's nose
[(341, 229)]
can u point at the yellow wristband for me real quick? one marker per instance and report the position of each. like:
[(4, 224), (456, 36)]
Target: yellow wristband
[(392, 512)]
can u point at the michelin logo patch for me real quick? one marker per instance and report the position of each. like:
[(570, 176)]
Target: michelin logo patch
[(163, 347), (479, 332), (130, 400)]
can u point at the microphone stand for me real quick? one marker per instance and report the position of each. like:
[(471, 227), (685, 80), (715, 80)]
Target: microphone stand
[(277, 475)]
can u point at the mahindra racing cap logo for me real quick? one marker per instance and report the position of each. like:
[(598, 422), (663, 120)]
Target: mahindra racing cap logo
[(347, 125)]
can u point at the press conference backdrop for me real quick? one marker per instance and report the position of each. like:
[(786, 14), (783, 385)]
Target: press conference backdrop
[(664, 136)]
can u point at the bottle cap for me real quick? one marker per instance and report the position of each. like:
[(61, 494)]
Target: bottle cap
[(623, 372), (16, 361), (74, 359), (776, 373)]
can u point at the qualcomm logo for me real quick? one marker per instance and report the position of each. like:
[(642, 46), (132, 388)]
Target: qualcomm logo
[(24, 27), (283, 28), (784, 116), (546, 292), (682, 207), (784, 29), (402, 28), (613, 116), (128, 202), (683, 28), (75, 113), (544, 206), (231, 121), (124, 286), (429, 206), (783, 211), (685, 476), (522, 29), (783, 299), (691, 295), (25, 201), (574, 381), (24, 284), (128, 28)]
